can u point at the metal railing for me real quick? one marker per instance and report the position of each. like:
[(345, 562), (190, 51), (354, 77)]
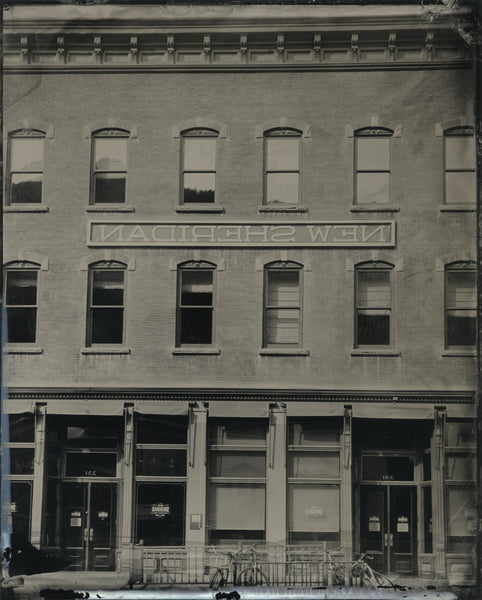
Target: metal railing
[(281, 565)]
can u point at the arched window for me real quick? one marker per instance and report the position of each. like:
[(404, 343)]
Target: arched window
[(106, 303), (372, 165), (282, 304), (198, 168), (282, 167), (109, 166), (460, 305), (373, 304), (195, 303), (459, 159), (26, 166), (21, 302)]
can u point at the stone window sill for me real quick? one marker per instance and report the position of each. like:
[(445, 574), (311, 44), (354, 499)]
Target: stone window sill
[(268, 208), (26, 208), (458, 207), (284, 352), (196, 350), (110, 208), (18, 349), (461, 352), (374, 208), (375, 352), (200, 208), (104, 350)]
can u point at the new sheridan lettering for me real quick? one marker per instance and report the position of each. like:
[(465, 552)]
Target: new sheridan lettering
[(253, 234)]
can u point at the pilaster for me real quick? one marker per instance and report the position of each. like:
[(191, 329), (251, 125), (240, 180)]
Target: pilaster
[(125, 521), (346, 486), (39, 486), (438, 505), (196, 476), (276, 475)]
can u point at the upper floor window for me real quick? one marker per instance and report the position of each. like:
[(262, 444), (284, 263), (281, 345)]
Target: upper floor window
[(109, 166), (21, 303), (460, 179), (199, 166), (195, 309), (372, 165), (26, 165), (282, 166), (460, 305), (106, 303), (282, 304), (373, 311)]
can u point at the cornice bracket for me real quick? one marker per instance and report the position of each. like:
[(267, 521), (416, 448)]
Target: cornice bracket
[(207, 48), (243, 45), (317, 45), (24, 50), (97, 50), (134, 50), (429, 45), (280, 46), (61, 50), (354, 47), (392, 45), (170, 48)]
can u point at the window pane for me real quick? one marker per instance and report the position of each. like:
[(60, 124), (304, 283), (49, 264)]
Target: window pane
[(282, 326), (22, 428), (373, 188), (108, 288), (461, 289), (460, 467), (161, 462), (26, 154), (315, 433), (462, 517), (459, 434), (311, 464), (21, 461), (20, 508), (374, 289), (21, 287), (107, 325), (90, 464), (243, 433), (196, 325), (21, 325), (199, 187), (160, 514), (237, 464), (110, 154), (460, 188), (314, 508), (461, 329), (427, 520), (282, 188), (109, 187), (391, 468), (199, 154), (104, 432), (373, 153), (197, 288), (283, 288), (162, 430), (282, 154), (25, 187), (459, 152), (236, 506), (373, 329)]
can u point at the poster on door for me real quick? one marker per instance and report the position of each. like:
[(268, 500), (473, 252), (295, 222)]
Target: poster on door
[(75, 518), (374, 523), (402, 524)]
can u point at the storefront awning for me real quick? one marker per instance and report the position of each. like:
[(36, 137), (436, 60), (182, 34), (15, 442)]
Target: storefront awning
[(161, 407), (227, 408)]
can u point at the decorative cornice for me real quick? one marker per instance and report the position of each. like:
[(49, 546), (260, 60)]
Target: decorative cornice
[(206, 395)]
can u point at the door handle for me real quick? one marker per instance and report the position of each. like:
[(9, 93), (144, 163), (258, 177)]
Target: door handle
[(389, 539), (91, 534), (386, 539), (86, 535)]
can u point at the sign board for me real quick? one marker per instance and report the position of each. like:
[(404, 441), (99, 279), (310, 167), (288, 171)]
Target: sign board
[(270, 234), (160, 510)]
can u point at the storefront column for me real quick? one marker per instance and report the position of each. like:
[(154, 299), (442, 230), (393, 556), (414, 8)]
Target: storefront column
[(346, 486), (438, 510), (39, 476), (126, 524), (196, 476), (276, 476)]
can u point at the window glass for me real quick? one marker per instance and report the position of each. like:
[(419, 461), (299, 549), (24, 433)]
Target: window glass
[(282, 310), (282, 167), (90, 464), (314, 508), (196, 307), (372, 167), (199, 154), (199, 168), (21, 461), (21, 301), (460, 187), (460, 467), (22, 428), (314, 464), (107, 312), (387, 468), (162, 430), (238, 433), (26, 167), (373, 153), (160, 513), (237, 506), (460, 164), (461, 509), (373, 313), (460, 152), (96, 433), (427, 520), (459, 434), (110, 156), (161, 462), (237, 464), (282, 154), (461, 307), (20, 508), (314, 433), (373, 188)]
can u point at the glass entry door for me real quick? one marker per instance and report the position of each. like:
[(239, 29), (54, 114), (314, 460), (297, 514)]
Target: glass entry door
[(89, 519), (387, 528)]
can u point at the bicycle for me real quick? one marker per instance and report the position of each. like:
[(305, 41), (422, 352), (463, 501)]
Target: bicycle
[(365, 575), (231, 561)]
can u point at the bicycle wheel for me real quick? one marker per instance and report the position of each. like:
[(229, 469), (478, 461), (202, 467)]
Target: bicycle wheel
[(252, 576), (218, 580), (165, 580)]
